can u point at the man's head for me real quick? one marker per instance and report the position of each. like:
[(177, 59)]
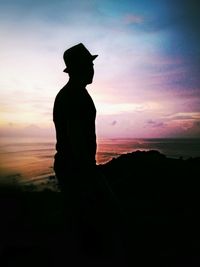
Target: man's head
[(79, 63)]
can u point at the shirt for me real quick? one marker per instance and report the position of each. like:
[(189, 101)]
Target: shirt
[(74, 115)]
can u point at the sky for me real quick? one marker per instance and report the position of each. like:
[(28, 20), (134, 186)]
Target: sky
[(146, 83)]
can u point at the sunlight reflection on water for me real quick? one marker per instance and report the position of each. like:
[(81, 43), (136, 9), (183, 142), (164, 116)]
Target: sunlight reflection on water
[(25, 158)]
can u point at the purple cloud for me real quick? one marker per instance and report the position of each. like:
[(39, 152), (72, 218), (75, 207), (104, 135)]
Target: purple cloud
[(155, 124), (114, 123)]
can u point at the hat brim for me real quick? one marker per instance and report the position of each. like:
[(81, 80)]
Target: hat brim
[(92, 57), (65, 70)]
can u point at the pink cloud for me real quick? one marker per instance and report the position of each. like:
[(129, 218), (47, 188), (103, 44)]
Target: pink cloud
[(155, 123)]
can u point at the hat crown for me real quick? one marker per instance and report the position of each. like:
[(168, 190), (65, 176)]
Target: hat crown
[(77, 54), (78, 50)]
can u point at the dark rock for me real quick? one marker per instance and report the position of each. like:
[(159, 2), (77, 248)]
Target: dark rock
[(158, 200)]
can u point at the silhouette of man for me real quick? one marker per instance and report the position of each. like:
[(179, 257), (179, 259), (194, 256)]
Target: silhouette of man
[(88, 204), (74, 118)]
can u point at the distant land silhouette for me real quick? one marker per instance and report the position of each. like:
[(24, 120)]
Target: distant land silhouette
[(159, 199)]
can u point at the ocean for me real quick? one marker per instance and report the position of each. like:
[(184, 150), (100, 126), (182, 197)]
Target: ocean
[(25, 160)]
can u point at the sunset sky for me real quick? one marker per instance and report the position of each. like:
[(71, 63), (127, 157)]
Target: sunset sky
[(147, 81)]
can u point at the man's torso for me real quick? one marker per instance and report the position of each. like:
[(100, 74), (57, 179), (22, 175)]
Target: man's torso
[(74, 118)]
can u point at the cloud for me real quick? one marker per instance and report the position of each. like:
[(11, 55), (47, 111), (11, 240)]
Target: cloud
[(119, 108), (194, 130), (183, 116), (183, 24), (156, 124), (113, 123), (147, 65), (133, 19), (31, 130), (188, 130)]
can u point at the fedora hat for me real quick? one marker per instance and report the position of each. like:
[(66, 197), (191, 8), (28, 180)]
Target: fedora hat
[(77, 54)]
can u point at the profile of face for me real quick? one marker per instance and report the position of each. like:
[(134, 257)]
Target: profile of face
[(83, 73), (87, 72)]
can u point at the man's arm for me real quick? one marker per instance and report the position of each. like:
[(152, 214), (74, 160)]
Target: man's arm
[(82, 139)]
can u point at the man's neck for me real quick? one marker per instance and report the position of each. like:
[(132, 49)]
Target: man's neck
[(76, 83)]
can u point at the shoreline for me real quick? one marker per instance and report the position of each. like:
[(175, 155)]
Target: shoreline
[(48, 181)]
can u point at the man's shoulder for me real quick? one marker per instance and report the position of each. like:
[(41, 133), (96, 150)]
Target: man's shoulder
[(68, 97), (63, 93)]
